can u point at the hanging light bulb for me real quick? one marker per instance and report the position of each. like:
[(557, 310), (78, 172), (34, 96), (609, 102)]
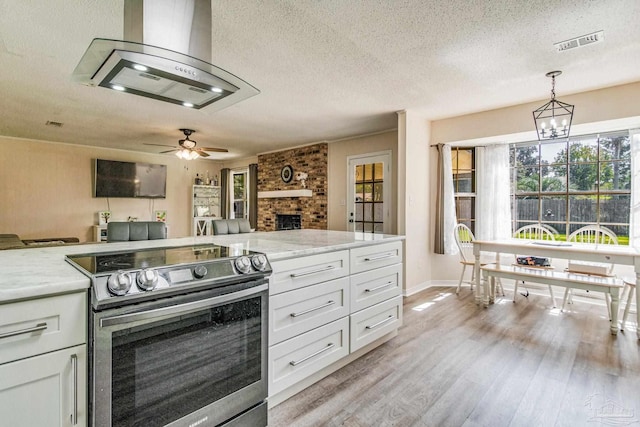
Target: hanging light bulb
[(553, 111)]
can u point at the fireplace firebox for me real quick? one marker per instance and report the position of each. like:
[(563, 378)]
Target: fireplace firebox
[(288, 222)]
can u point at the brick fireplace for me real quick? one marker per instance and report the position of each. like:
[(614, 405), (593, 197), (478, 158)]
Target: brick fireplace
[(312, 160)]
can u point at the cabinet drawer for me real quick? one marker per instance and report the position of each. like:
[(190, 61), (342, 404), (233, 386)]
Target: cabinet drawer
[(375, 256), (295, 312), (372, 323), (295, 359), (28, 328), (375, 286), (296, 273)]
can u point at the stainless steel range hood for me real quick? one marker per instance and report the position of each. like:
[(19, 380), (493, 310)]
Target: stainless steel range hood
[(166, 56)]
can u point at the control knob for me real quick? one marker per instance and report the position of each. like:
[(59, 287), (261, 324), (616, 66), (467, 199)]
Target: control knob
[(200, 271), (147, 279), (119, 283), (243, 264), (259, 262)]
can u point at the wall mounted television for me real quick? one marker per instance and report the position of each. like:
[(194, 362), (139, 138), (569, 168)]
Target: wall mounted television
[(126, 179)]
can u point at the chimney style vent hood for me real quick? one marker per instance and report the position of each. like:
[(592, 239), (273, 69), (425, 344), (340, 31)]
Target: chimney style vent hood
[(166, 56)]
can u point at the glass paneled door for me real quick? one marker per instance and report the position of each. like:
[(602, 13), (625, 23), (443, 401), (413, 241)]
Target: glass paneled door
[(369, 193)]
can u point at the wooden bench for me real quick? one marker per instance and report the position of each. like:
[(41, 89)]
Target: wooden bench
[(608, 285)]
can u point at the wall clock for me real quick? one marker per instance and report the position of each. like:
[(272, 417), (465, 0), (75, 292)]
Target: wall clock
[(286, 173)]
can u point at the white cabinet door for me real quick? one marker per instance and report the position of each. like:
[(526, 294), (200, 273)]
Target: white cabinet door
[(49, 390)]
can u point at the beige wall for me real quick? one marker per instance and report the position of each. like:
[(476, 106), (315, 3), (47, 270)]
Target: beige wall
[(337, 171), (516, 122), (46, 189), (415, 214)]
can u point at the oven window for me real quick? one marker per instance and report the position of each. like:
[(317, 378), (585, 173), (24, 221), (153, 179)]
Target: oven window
[(165, 370)]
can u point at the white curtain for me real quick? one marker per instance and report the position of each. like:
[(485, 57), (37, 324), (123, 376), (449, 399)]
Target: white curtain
[(449, 214), (634, 219), (493, 204)]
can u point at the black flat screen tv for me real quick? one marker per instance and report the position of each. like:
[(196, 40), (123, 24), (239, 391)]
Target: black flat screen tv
[(126, 179)]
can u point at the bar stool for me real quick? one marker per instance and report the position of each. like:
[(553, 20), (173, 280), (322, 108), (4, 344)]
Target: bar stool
[(629, 282)]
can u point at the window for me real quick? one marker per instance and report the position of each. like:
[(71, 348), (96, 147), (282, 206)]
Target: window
[(369, 200), (240, 200), (463, 164), (569, 184)]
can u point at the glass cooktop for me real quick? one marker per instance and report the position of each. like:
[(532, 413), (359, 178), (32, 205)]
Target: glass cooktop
[(108, 262)]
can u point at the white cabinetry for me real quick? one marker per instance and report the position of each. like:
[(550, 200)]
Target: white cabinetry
[(43, 362), (325, 309), (204, 208)]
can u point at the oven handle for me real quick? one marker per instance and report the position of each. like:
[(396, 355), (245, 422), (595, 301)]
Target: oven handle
[(186, 308)]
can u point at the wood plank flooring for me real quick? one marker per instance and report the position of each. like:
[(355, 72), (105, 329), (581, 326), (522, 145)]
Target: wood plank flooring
[(456, 364)]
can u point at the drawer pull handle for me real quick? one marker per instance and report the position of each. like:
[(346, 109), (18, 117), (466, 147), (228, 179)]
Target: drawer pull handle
[(297, 362), (39, 327), (308, 273), (300, 313), (377, 257), (379, 287), (382, 322), (74, 366)]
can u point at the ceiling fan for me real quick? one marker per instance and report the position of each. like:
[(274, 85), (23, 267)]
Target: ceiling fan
[(187, 147)]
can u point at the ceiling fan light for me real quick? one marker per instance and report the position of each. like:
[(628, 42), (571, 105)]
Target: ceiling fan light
[(193, 155)]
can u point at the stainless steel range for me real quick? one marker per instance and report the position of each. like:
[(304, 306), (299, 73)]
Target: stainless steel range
[(178, 336)]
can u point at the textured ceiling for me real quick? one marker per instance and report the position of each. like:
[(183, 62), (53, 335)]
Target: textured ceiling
[(326, 69)]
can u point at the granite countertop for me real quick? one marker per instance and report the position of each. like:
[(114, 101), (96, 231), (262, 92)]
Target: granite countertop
[(38, 272)]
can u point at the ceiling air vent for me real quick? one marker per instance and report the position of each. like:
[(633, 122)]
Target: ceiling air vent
[(592, 38)]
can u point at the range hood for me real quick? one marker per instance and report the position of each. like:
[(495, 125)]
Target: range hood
[(166, 55)]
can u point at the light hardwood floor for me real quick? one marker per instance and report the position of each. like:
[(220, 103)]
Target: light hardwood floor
[(456, 364)]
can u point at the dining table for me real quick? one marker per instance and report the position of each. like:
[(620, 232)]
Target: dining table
[(608, 254)]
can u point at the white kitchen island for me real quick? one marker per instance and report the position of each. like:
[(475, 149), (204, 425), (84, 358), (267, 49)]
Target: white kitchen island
[(359, 275)]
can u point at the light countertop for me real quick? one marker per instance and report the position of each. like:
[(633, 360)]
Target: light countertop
[(37, 272)]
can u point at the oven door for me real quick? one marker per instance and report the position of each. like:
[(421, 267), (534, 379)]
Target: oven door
[(197, 359)]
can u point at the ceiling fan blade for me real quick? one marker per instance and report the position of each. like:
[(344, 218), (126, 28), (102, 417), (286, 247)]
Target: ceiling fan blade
[(158, 145), (216, 150), (201, 153), (169, 151)]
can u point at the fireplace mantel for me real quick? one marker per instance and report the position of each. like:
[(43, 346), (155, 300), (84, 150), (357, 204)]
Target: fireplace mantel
[(284, 193)]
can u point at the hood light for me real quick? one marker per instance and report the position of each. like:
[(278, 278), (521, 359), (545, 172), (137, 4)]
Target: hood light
[(216, 90), (140, 67), (118, 87), (187, 104)]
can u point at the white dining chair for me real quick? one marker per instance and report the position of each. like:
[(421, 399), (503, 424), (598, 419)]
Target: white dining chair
[(464, 240), (534, 232), (594, 234), (630, 288)]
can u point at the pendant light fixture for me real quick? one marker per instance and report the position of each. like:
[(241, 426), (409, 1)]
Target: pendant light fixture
[(553, 119)]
